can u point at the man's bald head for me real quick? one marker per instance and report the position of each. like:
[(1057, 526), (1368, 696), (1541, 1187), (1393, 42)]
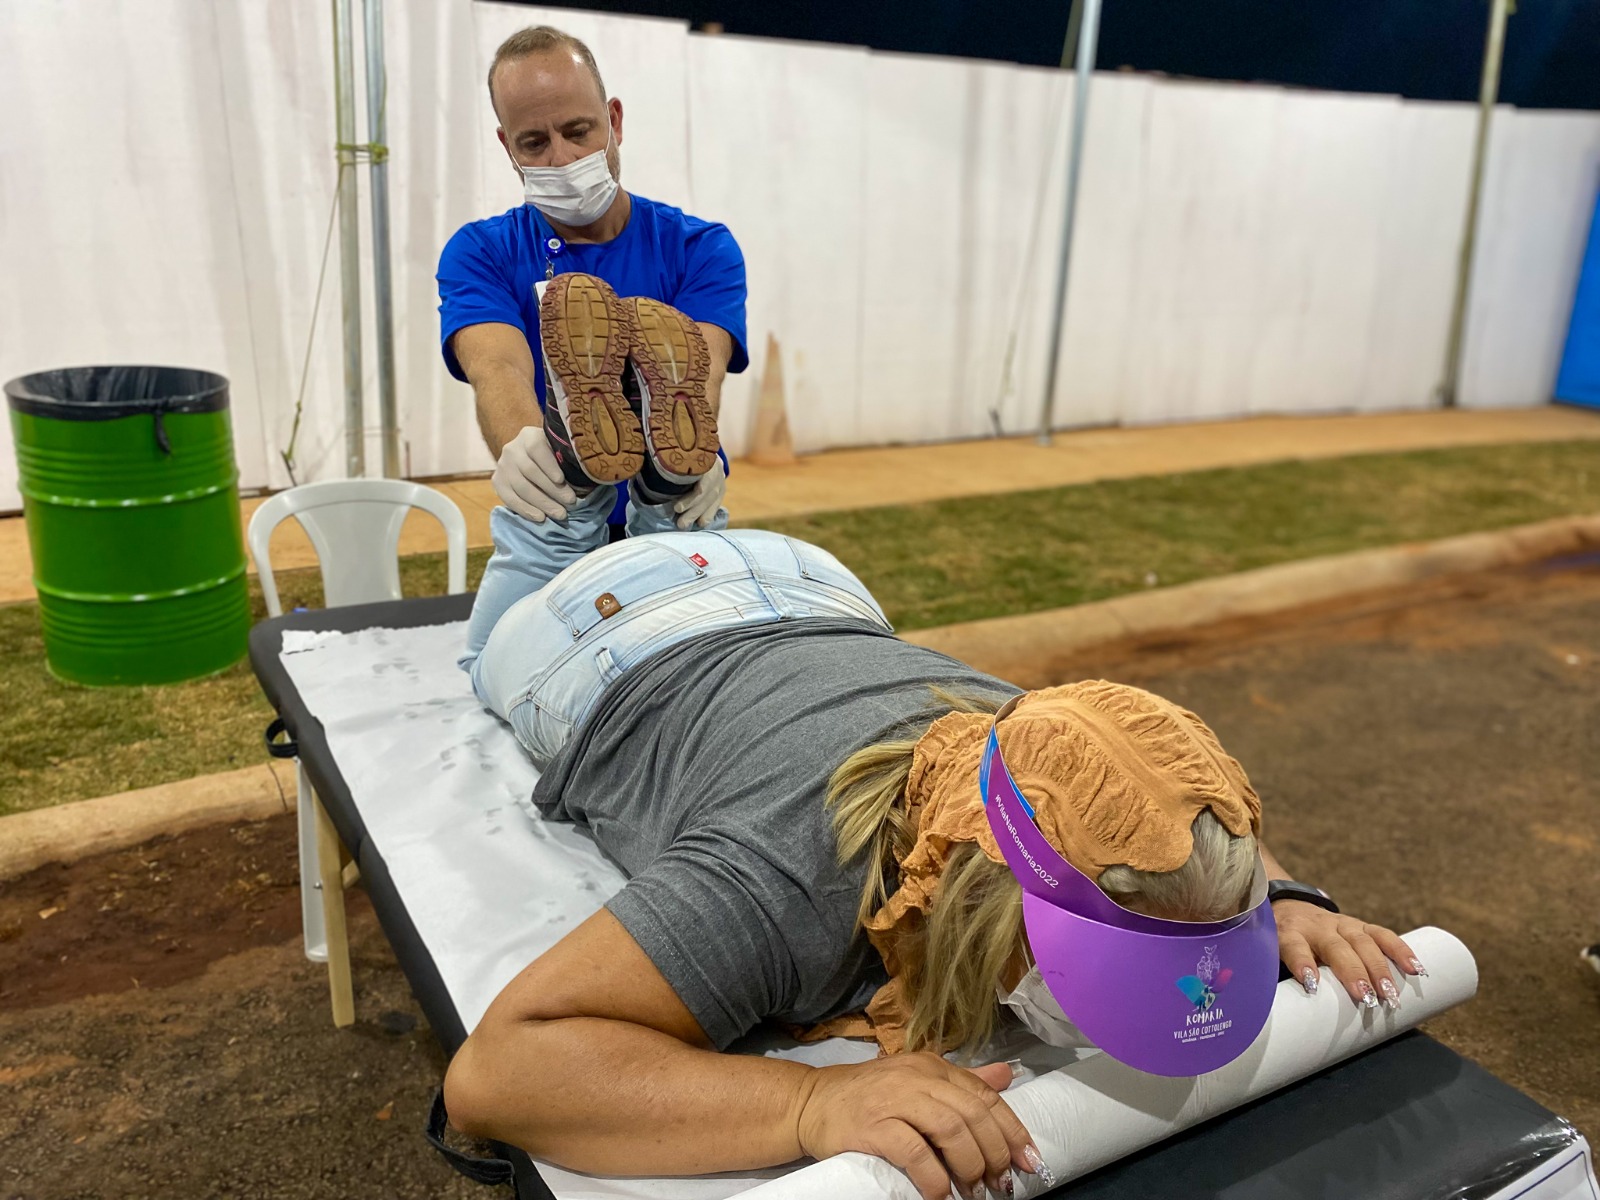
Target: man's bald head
[(551, 102), (543, 39)]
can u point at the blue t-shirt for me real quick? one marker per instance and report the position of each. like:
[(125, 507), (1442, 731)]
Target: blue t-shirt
[(488, 270)]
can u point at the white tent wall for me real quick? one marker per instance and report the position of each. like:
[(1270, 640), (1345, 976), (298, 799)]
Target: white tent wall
[(1106, 291), (958, 248), (1541, 179), (781, 165), (276, 97), (1201, 254), (437, 179), (1239, 249), (1321, 278), (1418, 244), (1011, 180), (119, 231)]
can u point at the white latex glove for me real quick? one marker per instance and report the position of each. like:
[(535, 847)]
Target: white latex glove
[(698, 508), (528, 479)]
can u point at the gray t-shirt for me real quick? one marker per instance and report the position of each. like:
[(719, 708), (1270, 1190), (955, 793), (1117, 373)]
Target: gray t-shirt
[(703, 773)]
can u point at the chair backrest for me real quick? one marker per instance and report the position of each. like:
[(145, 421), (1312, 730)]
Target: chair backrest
[(354, 526)]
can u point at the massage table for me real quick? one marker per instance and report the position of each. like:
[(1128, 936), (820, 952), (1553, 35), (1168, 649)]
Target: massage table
[(427, 796)]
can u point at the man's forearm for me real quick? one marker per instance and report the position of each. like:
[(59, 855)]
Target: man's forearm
[(506, 405), (614, 1098), (719, 372), (720, 344)]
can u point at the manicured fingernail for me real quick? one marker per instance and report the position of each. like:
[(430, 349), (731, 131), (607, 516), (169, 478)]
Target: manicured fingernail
[(1310, 981), (1418, 969), (1038, 1166), (1391, 994), (1369, 998), (1016, 1066), (1008, 1185)]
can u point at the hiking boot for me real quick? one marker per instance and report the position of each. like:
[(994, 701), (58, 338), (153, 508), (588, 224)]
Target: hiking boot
[(673, 366), (555, 432), (651, 486), (586, 334)]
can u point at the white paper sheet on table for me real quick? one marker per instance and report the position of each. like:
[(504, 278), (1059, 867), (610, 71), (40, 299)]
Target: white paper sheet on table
[(443, 790)]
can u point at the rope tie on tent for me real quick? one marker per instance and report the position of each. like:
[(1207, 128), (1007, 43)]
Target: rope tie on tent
[(287, 453), (372, 152)]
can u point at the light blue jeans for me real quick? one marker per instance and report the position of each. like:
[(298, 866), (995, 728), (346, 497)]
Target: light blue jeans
[(554, 623)]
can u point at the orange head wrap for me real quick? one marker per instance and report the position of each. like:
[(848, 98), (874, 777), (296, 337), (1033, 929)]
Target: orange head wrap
[(1115, 774)]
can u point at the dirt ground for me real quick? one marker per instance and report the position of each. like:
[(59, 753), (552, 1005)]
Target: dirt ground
[(1429, 758)]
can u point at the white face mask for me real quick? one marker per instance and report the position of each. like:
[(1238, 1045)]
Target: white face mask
[(1037, 1009), (575, 195)]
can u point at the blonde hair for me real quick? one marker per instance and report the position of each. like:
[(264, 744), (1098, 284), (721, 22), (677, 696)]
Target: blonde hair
[(1212, 885), (952, 962)]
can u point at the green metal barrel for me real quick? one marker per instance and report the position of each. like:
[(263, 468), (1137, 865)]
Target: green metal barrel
[(132, 503)]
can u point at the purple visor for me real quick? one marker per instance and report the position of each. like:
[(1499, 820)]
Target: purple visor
[(1175, 998)]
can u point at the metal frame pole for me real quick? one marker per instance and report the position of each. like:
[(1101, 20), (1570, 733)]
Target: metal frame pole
[(382, 278), (1488, 90), (349, 237), (1088, 39)]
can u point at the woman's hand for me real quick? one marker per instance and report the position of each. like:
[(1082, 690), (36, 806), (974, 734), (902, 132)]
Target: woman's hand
[(938, 1123), (1357, 953)]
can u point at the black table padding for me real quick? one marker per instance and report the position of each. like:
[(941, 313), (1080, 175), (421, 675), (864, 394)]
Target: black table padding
[(1408, 1120), (266, 642)]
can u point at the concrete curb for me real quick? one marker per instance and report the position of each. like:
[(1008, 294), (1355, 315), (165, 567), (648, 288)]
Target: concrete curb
[(1031, 650), (69, 832)]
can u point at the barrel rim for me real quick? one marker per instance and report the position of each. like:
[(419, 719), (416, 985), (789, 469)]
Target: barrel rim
[(120, 503), (75, 596), (25, 395)]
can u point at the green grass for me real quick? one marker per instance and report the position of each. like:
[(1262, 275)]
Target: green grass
[(962, 560), (928, 564), (61, 742)]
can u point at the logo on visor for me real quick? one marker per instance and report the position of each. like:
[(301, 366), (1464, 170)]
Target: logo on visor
[(1209, 978)]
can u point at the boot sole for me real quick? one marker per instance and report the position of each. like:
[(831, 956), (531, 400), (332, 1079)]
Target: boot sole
[(671, 353), (587, 334)]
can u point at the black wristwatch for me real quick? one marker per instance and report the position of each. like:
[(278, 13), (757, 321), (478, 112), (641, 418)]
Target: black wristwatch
[(1288, 889)]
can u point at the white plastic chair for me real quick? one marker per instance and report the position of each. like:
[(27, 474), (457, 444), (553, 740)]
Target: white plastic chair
[(354, 526)]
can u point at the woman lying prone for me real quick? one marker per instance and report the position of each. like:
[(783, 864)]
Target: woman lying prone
[(827, 827)]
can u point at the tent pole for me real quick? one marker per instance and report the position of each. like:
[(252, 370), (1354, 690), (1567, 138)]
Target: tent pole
[(382, 274), (1488, 90), (355, 458), (1088, 37)]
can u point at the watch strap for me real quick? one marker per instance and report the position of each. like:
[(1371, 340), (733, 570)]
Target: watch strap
[(1289, 889)]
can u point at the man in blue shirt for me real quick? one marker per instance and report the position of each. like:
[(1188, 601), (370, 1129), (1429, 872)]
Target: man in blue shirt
[(562, 137)]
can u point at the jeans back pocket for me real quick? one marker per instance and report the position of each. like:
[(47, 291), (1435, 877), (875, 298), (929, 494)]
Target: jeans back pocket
[(590, 591)]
